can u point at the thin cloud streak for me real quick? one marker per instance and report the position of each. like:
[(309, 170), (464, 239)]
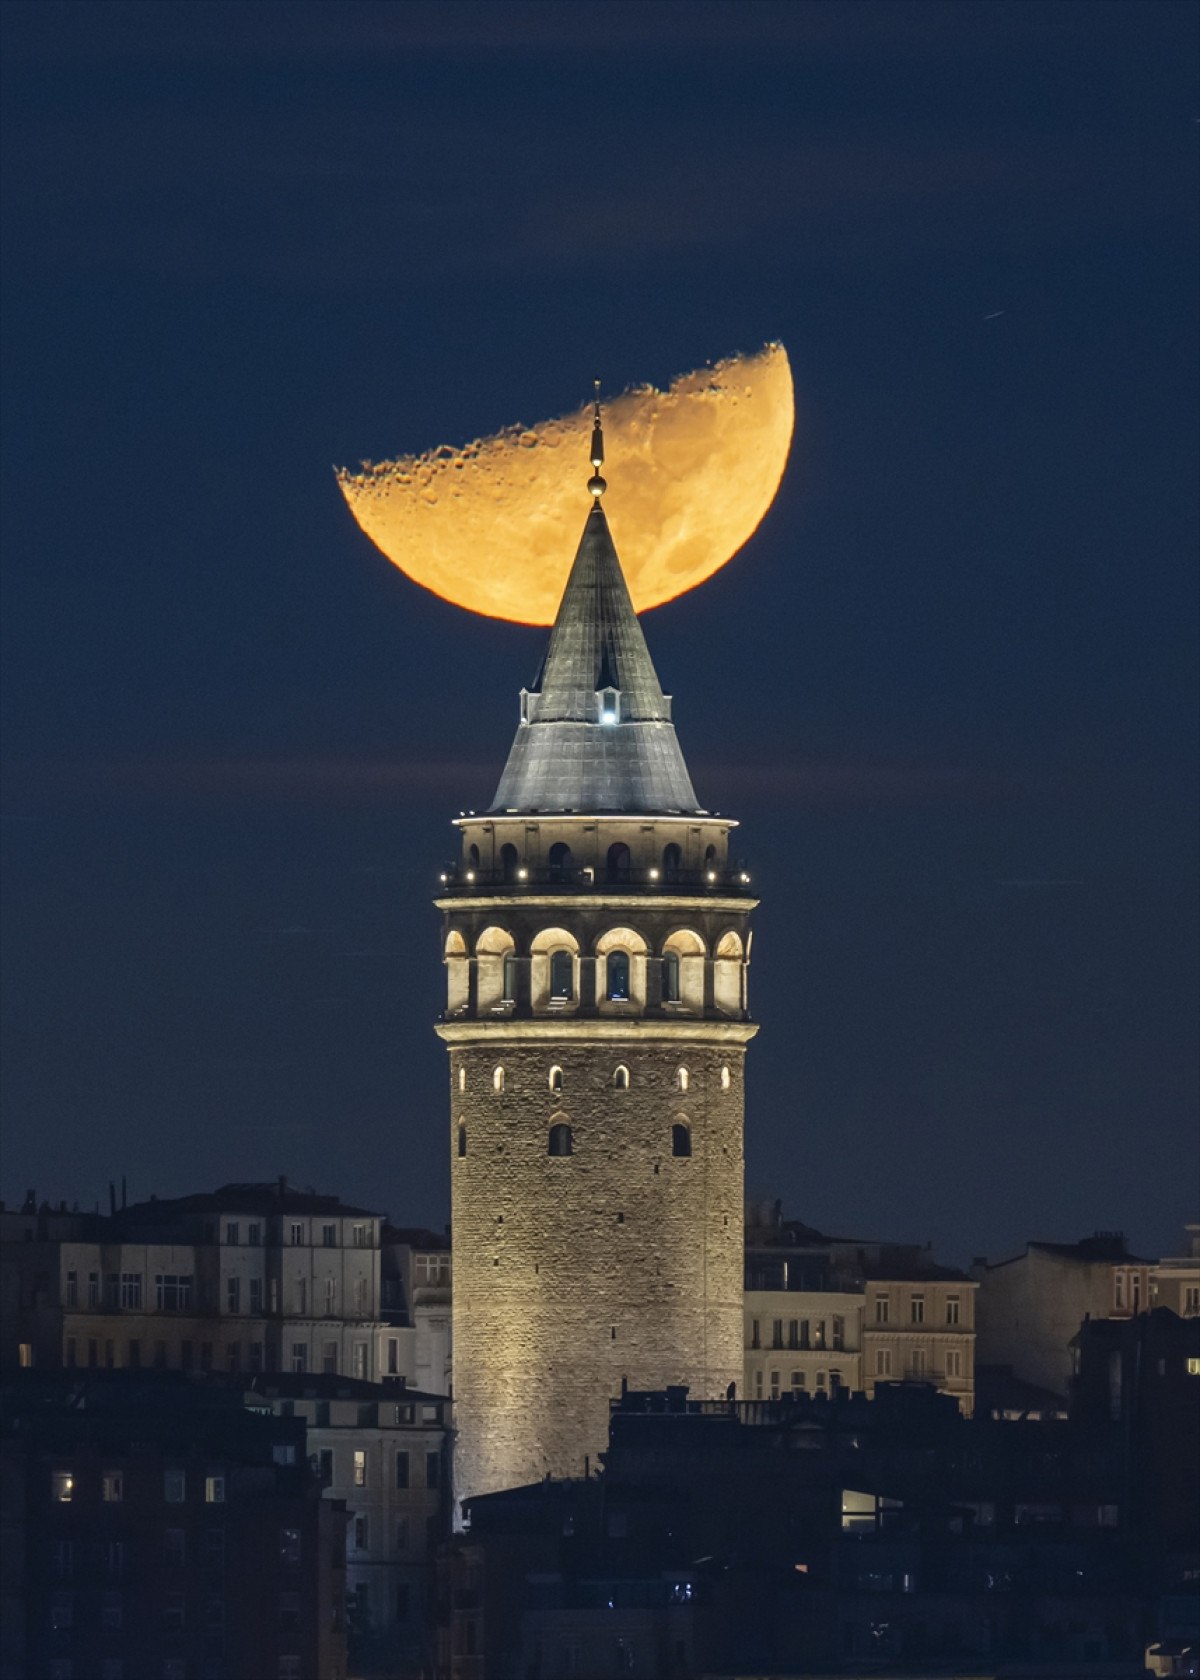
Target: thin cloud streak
[(369, 781)]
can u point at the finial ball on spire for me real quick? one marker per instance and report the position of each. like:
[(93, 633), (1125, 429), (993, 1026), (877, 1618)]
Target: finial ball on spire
[(596, 484)]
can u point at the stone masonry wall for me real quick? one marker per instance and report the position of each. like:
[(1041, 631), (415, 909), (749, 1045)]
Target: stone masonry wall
[(618, 1262)]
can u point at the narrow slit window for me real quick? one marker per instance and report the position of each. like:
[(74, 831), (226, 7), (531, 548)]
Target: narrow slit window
[(560, 1140), (556, 1080), (462, 1140), (497, 1079), (681, 1140), (682, 1079), (670, 977), (620, 1078), (510, 977)]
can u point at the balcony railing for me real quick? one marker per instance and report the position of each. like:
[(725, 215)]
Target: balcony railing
[(459, 880)]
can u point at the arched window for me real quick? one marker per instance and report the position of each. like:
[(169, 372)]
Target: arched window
[(672, 862), (710, 857), (682, 1079), (510, 977), (725, 1079), (681, 1140), (560, 1140), (462, 1078), (617, 866), (562, 975), (462, 1138), (458, 974), (621, 1078), (491, 971), (509, 862), (472, 857), (556, 1078), (622, 961), (729, 975), (497, 1079), (685, 985), (560, 860), (617, 977)]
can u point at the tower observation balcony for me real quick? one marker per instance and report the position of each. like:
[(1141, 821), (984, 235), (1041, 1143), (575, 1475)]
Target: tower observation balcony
[(458, 881)]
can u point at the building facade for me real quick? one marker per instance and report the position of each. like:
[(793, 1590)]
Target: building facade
[(1032, 1305), (596, 948), (417, 1279), (382, 1454), (166, 1530), (823, 1314), (249, 1279), (1175, 1280)]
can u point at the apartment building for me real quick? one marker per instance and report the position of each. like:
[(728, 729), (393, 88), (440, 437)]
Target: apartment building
[(919, 1326), (417, 1276), (165, 1529), (1175, 1280), (381, 1451), (251, 1278), (828, 1313), (1031, 1306)]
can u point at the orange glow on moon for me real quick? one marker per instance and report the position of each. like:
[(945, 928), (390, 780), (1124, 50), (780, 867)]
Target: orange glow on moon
[(493, 526)]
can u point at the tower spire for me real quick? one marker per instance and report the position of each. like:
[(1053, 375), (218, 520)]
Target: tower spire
[(596, 484)]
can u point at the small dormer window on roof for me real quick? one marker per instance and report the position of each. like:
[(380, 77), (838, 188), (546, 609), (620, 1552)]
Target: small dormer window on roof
[(609, 703)]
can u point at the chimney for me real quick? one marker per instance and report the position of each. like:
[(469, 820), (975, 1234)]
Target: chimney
[(124, 1192), (112, 1197)]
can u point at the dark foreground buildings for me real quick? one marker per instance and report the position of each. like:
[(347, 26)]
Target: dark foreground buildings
[(158, 1529), (847, 1535)]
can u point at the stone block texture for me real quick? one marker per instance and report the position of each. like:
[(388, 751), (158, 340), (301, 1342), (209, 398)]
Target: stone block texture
[(620, 1262)]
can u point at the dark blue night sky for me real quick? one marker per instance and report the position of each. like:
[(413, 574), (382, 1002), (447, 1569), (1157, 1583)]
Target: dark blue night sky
[(949, 687)]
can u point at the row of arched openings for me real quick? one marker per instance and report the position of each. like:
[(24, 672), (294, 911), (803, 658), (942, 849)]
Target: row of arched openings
[(623, 961), (618, 862), (620, 1078), (560, 1141)]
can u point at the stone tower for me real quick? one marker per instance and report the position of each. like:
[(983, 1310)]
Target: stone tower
[(596, 949)]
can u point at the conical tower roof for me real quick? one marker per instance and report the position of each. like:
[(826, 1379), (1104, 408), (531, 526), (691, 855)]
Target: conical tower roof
[(596, 731)]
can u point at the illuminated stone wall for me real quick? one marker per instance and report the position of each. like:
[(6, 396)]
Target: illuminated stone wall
[(621, 1261)]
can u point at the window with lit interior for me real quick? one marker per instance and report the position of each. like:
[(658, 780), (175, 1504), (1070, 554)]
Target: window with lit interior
[(616, 977)]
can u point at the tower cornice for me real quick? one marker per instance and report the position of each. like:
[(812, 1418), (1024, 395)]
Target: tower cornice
[(642, 901), (570, 1029)]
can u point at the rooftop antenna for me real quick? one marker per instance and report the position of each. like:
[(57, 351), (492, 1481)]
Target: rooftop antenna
[(596, 484)]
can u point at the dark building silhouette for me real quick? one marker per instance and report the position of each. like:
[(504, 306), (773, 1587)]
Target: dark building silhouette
[(889, 1535), (168, 1533)]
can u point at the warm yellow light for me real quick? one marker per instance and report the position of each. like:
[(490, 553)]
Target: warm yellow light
[(492, 526)]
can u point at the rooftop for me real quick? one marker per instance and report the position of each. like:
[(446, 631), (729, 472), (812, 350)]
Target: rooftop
[(596, 734)]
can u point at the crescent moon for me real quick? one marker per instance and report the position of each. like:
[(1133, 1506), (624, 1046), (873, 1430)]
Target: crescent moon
[(492, 526)]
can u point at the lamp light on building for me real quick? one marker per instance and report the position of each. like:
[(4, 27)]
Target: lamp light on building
[(443, 879), (470, 874), (654, 874), (522, 873), (711, 876)]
